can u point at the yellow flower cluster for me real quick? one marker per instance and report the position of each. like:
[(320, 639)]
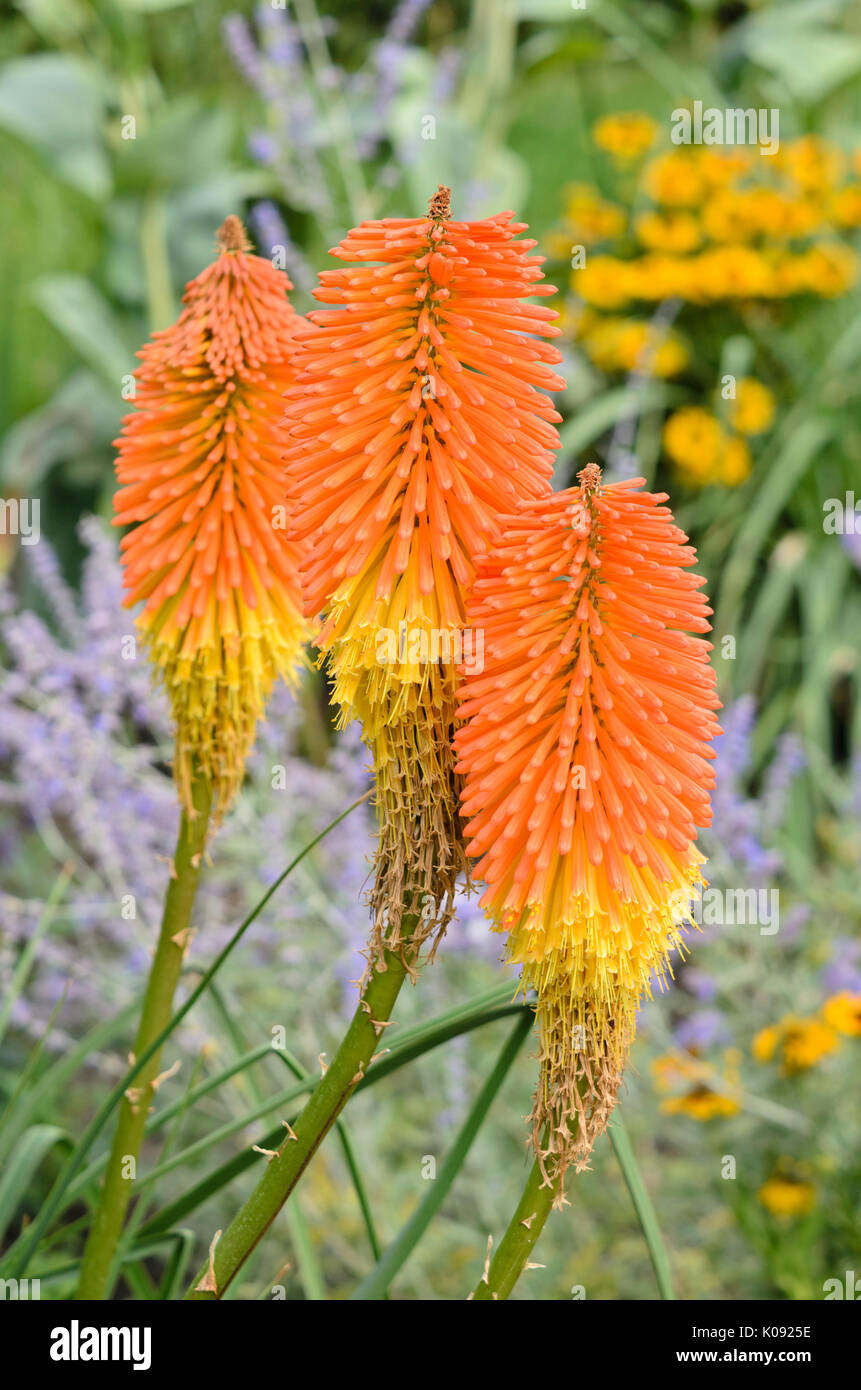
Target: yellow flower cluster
[(717, 226), (752, 410), (732, 271), (786, 1195), (724, 222), (625, 135), (705, 448), (702, 451), (842, 1012), (626, 344), (589, 220), (699, 1098), (671, 230), (799, 1043)]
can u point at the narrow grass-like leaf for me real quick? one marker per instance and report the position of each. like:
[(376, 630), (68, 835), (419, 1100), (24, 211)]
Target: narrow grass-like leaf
[(26, 960), (22, 1164), (176, 1270), (646, 1214), (607, 410), (38, 1097)]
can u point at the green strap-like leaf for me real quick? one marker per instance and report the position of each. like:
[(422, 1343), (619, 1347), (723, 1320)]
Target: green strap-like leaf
[(646, 1214), (22, 1164)]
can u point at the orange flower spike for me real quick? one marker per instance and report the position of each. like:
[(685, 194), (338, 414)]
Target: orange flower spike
[(200, 463), (419, 415), (586, 758)]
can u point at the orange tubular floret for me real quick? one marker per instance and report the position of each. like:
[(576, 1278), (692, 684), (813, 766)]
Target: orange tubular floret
[(586, 754), (419, 414), (202, 481)]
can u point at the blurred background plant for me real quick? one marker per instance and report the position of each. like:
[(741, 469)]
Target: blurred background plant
[(128, 129)]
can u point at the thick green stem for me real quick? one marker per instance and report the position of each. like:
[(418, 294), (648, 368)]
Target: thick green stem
[(155, 1016), (283, 1170), (381, 1276), (516, 1246)]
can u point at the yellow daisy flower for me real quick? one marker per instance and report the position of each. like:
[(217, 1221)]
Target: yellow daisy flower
[(844, 207), (700, 1100), (701, 1103), (694, 439), (736, 462), (843, 1013), (752, 411), (675, 179), (675, 231), (801, 1043), (811, 163), (827, 269), (603, 282), (589, 217), (787, 1197), (626, 135)]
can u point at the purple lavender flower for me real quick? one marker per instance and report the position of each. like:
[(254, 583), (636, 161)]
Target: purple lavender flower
[(275, 67), (843, 971), (85, 748), (788, 762), (702, 1029), (852, 545), (387, 69), (735, 838), (699, 983), (271, 233)]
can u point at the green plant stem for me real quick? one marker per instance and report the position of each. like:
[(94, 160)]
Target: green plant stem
[(534, 1207), (516, 1246), (328, 1099), (18, 1256), (374, 1286), (159, 290), (155, 1016), (643, 1207)]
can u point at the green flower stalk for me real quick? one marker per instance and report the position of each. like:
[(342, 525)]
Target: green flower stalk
[(302, 1139), (96, 1268), (199, 461)]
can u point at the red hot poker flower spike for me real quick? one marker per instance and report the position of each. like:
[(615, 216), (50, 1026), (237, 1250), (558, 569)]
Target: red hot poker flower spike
[(200, 463), (586, 755), (418, 416)]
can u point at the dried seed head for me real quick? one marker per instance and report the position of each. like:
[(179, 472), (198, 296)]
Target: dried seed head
[(439, 207), (231, 235)]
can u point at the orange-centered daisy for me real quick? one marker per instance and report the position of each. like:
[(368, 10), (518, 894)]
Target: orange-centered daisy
[(200, 461), (586, 760), (419, 415)]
